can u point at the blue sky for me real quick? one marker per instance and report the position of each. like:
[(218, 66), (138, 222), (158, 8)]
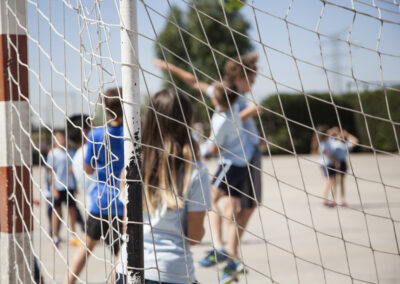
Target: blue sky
[(74, 64)]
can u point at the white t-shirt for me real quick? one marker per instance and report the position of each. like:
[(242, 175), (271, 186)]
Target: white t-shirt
[(339, 149), (226, 134), (165, 240), (325, 148), (249, 124), (83, 180), (58, 160)]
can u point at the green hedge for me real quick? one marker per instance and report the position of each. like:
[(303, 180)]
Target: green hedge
[(344, 110)]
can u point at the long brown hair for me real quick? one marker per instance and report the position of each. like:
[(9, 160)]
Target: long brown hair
[(226, 94), (167, 149), (112, 101)]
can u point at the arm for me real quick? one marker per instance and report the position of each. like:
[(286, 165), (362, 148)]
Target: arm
[(88, 169), (214, 150), (208, 148), (52, 185), (185, 76), (195, 230), (351, 138), (250, 111)]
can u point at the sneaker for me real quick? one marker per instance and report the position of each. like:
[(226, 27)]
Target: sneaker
[(56, 242), (330, 204), (231, 271), (74, 242), (211, 260)]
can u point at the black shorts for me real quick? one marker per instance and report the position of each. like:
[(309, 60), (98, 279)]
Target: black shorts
[(64, 196), (252, 188), (330, 170), (231, 179), (343, 167), (98, 227)]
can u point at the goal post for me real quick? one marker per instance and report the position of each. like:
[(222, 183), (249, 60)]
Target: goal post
[(16, 224), (132, 128)]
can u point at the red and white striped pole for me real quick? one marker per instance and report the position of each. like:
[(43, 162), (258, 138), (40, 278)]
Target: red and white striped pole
[(15, 161)]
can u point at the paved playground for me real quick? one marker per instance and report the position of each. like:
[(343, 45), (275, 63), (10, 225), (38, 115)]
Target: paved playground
[(291, 237)]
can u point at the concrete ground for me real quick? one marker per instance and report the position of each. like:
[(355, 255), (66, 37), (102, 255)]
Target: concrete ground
[(291, 237)]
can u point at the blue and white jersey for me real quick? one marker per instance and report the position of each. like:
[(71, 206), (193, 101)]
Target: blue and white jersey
[(166, 250), (249, 124), (228, 137), (339, 150), (325, 147), (251, 133), (60, 163)]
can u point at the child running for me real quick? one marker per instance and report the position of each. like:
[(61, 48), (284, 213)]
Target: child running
[(242, 76), (176, 188), (104, 158)]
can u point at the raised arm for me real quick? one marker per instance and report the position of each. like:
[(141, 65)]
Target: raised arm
[(250, 111), (350, 137), (187, 77)]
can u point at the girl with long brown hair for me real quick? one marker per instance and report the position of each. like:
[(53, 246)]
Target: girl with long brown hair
[(176, 191)]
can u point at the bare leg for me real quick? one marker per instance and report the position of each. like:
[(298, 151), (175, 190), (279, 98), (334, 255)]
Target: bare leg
[(72, 218), (79, 260), (329, 185), (56, 221), (342, 188), (215, 218), (232, 209), (243, 218), (333, 186), (325, 189)]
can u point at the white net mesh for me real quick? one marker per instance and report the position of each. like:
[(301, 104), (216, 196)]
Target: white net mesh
[(333, 63)]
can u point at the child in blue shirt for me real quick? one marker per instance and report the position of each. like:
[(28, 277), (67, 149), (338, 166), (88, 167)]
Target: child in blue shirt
[(341, 144), (61, 182), (104, 159), (232, 175), (328, 163)]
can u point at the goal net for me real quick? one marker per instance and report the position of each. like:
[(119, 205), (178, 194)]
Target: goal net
[(293, 133)]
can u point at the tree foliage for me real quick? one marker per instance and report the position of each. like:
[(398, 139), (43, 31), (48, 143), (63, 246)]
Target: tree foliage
[(202, 38), (372, 125)]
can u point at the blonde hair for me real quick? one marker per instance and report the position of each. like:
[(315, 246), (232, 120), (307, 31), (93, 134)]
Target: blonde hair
[(167, 150)]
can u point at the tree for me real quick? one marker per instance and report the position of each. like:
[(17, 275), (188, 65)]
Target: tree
[(198, 27)]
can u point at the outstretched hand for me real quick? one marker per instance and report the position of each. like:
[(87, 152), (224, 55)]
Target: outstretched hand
[(160, 64)]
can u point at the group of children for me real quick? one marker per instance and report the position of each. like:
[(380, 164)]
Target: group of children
[(176, 185), (334, 146)]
